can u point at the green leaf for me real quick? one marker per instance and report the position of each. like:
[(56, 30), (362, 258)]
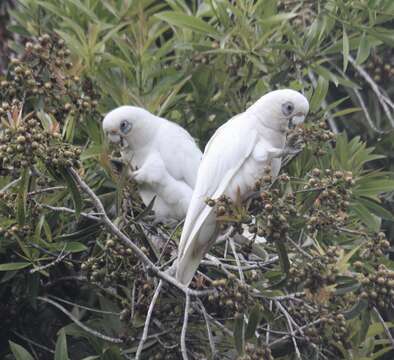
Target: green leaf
[(377, 209), (346, 111), (345, 50), (377, 328), (20, 352), (364, 50), (254, 319), (182, 20), (319, 94), (239, 340), (370, 220), (283, 257), (360, 306), (22, 196), (72, 246), (61, 347), (13, 266), (76, 196), (277, 19)]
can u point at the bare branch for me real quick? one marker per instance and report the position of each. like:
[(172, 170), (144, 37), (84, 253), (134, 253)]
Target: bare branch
[(386, 329), (289, 323), (384, 100), (67, 210), (147, 320), (210, 337), (241, 274), (10, 185), (45, 190), (42, 347), (60, 257), (79, 323), (184, 328), (114, 230)]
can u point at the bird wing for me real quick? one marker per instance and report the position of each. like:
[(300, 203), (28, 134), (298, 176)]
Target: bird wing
[(224, 155), (179, 152)]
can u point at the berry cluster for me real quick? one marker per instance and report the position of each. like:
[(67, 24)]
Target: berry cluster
[(256, 352), (312, 133), (375, 247), (316, 273), (44, 73), (332, 201), (381, 67), (24, 142), (231, 296), (378, 288)]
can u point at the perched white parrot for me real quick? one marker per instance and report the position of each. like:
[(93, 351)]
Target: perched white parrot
[(164, 158), (234, 159)]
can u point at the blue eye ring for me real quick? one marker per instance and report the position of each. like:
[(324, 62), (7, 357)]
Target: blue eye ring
[(287, 108), (125, 126)]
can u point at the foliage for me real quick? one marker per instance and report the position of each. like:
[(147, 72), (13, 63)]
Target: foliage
[(320, 287)]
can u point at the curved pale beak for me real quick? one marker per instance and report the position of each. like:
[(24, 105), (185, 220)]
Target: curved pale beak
[(296, 119), (113, 137)]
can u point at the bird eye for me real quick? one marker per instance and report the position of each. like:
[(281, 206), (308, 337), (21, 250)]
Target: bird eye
[(287, 108), (125, 126)]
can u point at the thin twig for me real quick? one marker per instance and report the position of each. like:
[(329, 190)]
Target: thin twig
[(60, 257), (169, 239), (79, 323), (42, 347), (68, 210), (241, 274), (227, 331), (10, 185), (302, 251), (277, 341), (210, 337), (386, 329), (85, 307), (45, 190), (114, 230), (147, 320), (267, 335), (184, 328), (289, 323), (384, 100), (133, 300)]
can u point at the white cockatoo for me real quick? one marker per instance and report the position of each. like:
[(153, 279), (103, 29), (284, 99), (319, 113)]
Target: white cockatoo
[(234, 159), (163, 159)]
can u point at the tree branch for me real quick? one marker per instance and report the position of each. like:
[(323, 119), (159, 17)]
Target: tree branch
[(184, 328), (147, 320)]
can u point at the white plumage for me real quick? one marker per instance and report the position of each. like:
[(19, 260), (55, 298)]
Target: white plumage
[(164, 158), (233, 160)]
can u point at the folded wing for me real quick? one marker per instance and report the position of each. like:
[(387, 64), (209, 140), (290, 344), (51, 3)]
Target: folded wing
[(224, 155)]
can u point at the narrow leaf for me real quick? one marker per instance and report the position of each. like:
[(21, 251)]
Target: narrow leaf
[(239, 334), (254, 319), (364, 50), (61, 347), (345, 50), (13, 266), (182, 20), (319, 94), (20, 352)]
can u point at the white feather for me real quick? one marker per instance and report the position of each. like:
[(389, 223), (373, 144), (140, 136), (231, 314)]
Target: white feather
[(233, 161), (163, 156)]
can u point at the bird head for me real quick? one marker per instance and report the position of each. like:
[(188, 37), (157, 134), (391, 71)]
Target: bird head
[(126, 124), (281, 109)]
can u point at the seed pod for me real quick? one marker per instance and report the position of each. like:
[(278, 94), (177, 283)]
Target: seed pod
[(221, 210)]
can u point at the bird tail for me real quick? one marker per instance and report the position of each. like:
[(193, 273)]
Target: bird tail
[(190, 259), (187, 267)]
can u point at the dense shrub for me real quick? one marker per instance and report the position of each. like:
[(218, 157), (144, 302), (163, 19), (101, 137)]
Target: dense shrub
[(81, 284)]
